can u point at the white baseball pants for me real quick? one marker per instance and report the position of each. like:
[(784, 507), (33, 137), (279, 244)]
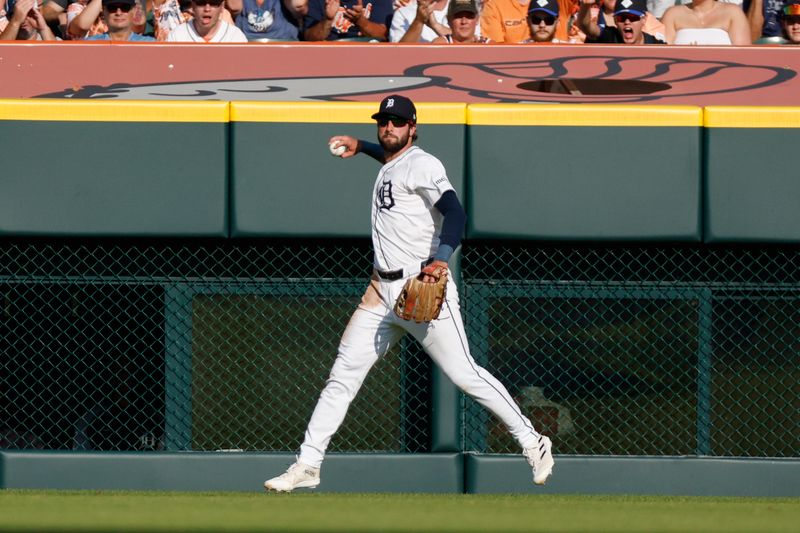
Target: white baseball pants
[(373, 329)]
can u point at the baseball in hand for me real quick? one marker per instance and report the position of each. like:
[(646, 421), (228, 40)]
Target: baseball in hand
[(337, 149)]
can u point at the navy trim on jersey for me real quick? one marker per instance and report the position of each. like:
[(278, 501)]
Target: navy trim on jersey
[(453, 223)]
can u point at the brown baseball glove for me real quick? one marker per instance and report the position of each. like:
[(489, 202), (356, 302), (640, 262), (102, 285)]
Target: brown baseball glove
[(420, 300)]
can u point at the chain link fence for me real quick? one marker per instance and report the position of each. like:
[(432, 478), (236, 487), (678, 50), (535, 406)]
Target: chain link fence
[(624, 350)]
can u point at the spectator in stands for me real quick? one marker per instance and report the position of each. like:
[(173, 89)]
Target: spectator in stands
[(55, 13), (462, 18), (764, 19), (268, 20), (506, 21), (118, 15), (706, 22), (652, 24), (207, 25), (333, 20), (629, 19), (542, 18), (168, 15), (26, 24), (84, 20), (421, 21), (298, 9), (790, 20)]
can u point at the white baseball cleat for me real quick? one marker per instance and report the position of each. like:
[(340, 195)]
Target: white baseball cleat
[(540, 457), (298, 476)]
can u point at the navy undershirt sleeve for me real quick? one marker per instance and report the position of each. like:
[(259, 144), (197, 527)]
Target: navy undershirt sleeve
[(374, 150), (452, 226)]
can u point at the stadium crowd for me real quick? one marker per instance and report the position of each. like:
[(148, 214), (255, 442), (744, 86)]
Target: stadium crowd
[(699, 22)]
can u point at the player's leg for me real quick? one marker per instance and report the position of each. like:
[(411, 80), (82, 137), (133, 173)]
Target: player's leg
[(368, 336), (446, 342)]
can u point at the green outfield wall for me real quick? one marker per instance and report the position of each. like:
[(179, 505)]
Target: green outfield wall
[(629, 272), (101, 169), (260, 169), (752, 191)]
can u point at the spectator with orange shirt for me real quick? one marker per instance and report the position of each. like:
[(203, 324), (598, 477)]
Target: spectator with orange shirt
[(542, 18), (506, 21)]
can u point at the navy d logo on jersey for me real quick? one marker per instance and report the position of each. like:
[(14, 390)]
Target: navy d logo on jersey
[(384, 196)]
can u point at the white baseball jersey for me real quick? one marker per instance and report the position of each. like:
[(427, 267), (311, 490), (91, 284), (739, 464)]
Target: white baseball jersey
[(405, 223), (185, 33), (405, 231)]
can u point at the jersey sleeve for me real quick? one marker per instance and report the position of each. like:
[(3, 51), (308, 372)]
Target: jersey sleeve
[(430, 181)]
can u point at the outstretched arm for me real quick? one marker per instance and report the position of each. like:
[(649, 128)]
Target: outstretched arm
[(354, 146)]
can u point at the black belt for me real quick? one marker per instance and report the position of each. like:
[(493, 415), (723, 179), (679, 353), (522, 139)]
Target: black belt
[(391, 275)]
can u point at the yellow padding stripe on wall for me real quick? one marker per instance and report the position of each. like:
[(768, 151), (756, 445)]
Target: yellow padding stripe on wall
[(582, 115), (752, 117), (340, 112), (113, 110)]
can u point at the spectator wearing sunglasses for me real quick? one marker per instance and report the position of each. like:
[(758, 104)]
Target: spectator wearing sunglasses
[(628, 18), (706, 22), (206, 26), (333, 20), (119, 18), (462, 18), (268, 20), (542, 18), (652, 23), (790, 21)]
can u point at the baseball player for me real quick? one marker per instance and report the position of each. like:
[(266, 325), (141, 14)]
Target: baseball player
[(417, 222)]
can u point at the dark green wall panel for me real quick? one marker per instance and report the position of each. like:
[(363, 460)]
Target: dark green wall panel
[(752, 185), (285, 182), (109, 179), (584, 183), (226, 471)]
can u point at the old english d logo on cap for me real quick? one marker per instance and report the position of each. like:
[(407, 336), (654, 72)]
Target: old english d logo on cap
[(398, 106)]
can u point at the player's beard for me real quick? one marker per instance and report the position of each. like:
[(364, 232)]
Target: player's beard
[(393, 143)]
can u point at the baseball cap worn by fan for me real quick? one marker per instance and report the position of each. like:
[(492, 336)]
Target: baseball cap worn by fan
[(119, 2), (546, 6), (635, 7), (397, 106), (462, 6)]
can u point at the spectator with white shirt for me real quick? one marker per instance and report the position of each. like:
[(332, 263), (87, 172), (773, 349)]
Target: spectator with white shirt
[(206, 26)]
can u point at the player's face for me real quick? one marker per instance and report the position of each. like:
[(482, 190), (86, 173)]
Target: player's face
[(630, 26), (543, 26), (206, 14), (394, 134), (791, 25), (462, 24)]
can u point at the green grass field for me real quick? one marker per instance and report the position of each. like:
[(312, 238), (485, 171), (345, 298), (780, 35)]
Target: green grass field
[(26, 510)]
